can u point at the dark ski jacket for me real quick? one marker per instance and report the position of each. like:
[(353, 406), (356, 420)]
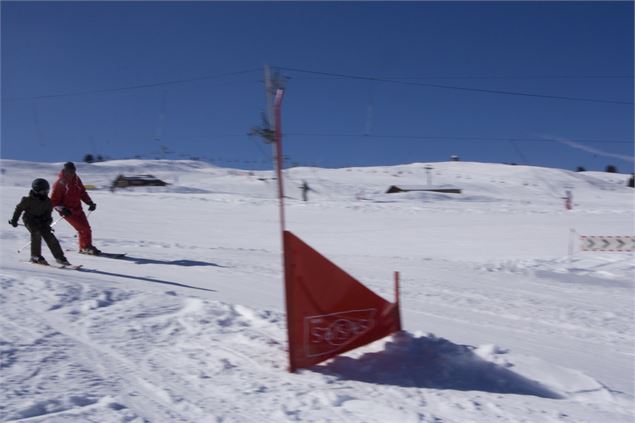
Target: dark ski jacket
[(69, 192), (37, 210)]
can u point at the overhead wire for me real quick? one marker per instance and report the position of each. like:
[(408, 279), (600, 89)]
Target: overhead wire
[(445, 137), (455, 87), (514, 77), (394, 80), (134, 87)]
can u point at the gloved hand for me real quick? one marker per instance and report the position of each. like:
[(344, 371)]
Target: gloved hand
[(92, 207), (13, 223), (63, 211)]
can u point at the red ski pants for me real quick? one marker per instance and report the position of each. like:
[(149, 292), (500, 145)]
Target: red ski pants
[(81, 225)]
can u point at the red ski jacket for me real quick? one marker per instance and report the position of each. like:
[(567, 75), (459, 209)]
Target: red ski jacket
[(69, 192)]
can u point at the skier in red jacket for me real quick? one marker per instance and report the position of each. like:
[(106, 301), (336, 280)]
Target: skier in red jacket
[(67, 196)]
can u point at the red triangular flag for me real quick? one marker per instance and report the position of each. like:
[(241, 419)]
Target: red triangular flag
[(328, 311)]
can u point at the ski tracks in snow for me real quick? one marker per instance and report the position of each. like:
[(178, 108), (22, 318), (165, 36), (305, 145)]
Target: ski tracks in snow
[(138, 356)]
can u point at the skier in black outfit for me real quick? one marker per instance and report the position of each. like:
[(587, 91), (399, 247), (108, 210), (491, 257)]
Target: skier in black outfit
[(37, 218), (305, 190)]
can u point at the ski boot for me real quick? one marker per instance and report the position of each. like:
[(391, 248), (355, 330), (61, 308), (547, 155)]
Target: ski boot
[(90, 250), (62, 261), (39, 260)]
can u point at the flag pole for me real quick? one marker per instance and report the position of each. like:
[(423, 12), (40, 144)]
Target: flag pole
[(397, 300)]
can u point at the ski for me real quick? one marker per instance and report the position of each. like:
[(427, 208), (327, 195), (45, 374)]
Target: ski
[(102, 254), (112, 255), (107, 255), (70, 267), (58, 266)]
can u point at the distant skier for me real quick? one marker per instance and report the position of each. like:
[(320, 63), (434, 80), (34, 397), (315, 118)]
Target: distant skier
[(68, 194), (37, 209), (305, 190), (568, 200)]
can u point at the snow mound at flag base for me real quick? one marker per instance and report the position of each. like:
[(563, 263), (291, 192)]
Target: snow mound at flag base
[(77, 351), (436, 363)]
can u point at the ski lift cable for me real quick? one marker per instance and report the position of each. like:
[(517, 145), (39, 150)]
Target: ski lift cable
[(446, 137), (458, 88), (133, 87)]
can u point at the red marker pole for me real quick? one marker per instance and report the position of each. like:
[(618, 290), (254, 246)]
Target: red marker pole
[(397, 297), (277, 105), (288, 284)]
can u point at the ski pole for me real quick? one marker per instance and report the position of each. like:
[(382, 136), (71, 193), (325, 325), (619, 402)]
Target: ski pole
[(22, 224), (29, 243), (25, 245)]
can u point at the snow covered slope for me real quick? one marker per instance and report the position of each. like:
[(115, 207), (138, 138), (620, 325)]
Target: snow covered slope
[(501, 322)]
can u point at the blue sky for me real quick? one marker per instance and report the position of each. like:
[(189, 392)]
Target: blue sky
[(368, 83)]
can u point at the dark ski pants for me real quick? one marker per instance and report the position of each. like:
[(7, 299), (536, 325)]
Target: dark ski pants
[(37, 234), (79, 221)]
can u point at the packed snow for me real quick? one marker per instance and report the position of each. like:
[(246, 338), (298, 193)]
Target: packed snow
[(505, 318)]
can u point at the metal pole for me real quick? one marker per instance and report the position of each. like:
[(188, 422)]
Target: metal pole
[(428, 168), (285, 260), (269, 93), (277, 145), (572, 234)]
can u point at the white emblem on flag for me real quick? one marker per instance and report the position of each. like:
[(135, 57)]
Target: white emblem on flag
[(327, 333)]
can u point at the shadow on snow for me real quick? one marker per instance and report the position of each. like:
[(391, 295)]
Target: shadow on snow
[(184, 263), (434, 363), (141, 278)]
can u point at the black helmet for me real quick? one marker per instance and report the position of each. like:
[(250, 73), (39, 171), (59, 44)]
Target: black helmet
[(69, 166), (40, 186)]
